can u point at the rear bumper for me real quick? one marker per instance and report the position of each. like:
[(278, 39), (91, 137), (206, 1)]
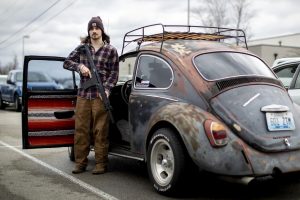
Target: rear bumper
[(239, 159), (269, 163)]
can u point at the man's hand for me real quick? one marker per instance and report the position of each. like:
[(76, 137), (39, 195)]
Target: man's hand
[(85, 71), (107, 93)]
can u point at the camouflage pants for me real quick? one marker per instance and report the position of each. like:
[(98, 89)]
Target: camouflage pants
[(91, 117)]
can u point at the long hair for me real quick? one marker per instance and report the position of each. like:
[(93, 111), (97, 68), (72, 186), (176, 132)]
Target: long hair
[(105, 38)]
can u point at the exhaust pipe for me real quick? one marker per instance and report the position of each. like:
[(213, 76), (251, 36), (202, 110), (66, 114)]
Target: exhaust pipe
[(239, 180)]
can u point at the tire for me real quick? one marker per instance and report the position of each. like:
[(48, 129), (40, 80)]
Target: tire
[(71, 153), (17, 103), (2, 104), (166, 162)]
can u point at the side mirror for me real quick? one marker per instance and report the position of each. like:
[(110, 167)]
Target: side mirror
[(287, 88)]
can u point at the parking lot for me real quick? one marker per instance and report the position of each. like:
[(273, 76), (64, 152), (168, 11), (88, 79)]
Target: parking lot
[(46, 174)]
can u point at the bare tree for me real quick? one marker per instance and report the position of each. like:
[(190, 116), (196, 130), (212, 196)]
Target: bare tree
[(242, 15), (9, 66), (212, 13), (225, 13)]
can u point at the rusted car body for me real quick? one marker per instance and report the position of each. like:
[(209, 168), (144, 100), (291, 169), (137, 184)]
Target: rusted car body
[(193, 100)]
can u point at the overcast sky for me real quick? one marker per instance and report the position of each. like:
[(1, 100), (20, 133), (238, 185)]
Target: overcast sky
[(54, 26)]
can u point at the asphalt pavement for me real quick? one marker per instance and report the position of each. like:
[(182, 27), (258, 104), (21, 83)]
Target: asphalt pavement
[(46, 174)]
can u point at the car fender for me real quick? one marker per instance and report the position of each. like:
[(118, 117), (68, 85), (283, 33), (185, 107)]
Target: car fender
[(188, 120)]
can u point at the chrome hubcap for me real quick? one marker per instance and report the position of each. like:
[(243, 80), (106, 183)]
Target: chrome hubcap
[(162, 162)]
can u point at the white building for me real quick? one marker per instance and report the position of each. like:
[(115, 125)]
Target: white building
[(276, 47)]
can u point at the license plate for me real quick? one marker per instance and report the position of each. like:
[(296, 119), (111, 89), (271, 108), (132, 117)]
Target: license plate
[(280, 121)]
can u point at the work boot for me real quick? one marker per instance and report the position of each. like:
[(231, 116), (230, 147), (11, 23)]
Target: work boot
[(99, 169), (78, 169)]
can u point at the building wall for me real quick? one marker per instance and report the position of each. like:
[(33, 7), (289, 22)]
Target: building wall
[(291, 40), (257, 50), (273, 48), (271, 52)]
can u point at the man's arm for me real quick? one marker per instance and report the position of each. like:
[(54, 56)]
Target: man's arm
[(72, 61)]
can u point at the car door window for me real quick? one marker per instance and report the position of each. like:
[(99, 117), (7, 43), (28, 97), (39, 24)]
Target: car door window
[(126, 66), (297, 84), (50, 76), (286, 75), (153, 72)]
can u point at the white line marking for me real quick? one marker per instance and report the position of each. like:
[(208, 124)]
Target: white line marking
[(250, 100), (11, 146), (88, 187)]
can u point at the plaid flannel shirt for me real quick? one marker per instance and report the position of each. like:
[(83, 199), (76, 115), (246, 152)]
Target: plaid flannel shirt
[(106, 60)]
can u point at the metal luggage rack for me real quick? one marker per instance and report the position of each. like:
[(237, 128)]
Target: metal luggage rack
[(140, 35)]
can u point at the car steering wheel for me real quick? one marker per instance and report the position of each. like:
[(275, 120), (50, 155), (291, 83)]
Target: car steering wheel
[(125, 91)]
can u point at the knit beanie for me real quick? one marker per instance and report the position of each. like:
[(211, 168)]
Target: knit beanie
[(95, 22)]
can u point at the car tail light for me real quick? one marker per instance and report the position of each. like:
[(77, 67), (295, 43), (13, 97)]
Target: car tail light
[(216, 133)]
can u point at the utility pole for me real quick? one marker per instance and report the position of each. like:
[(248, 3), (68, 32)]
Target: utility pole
[(23, 49), (188, 13)]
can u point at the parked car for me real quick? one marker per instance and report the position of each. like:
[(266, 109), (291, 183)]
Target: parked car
[(283, 60), (288, 73), (11, 91), (195, 99)]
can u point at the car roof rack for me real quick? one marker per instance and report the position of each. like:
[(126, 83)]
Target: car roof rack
[(159, 33)]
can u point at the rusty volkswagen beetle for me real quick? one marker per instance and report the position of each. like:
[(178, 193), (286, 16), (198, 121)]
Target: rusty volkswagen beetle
[(197, 97)]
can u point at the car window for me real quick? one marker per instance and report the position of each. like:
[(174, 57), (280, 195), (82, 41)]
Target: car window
[(49, 75), (3, 79), (297, 84), (286, 74), (19, 76), (220, 65), (153, 72), (126, 66), (38, 77)]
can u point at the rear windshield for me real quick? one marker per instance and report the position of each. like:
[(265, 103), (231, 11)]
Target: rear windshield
[(220, 65)]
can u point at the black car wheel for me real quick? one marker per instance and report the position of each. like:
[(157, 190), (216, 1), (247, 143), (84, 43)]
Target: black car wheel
[(71, 153), (2, 104), (166, 161), (17, 103)]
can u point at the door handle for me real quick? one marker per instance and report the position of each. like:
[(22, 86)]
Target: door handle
[(64, 114)]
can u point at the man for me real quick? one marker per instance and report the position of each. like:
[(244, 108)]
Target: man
[(90, 112)]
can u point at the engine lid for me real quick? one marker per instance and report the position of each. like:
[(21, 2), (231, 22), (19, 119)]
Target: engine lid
[(262, 115)]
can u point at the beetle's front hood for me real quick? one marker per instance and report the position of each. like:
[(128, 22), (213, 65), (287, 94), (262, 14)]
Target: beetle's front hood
[(241, 109)]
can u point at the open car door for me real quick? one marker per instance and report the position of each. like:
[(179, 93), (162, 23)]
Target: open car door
[(48, 103)]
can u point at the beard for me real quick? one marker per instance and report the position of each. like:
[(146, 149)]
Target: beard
[(95, 36)]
